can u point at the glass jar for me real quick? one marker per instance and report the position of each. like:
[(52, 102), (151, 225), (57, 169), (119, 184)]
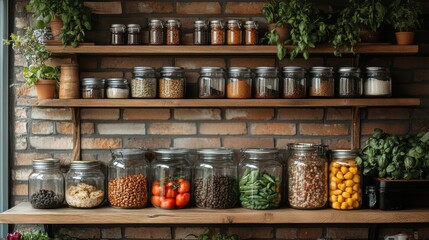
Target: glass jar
[(217, 36), (118, 34), (117, 88), (92, 88), (378, 82), (350, 83), (201, 32), (322, 82), (156, 32), (260, 179), (173, 32), (251, 33), (267, 82), (344, 180), (294, 82), (308, 177), (239, 83), (233, 34), (211, 82), (215, 179), (84, 184), (134, 35), (46, 184), (143, 84), (171, 175), (172, 83), (128, 178)]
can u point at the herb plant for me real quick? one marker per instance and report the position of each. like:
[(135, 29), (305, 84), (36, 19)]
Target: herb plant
[(371, 13), (45, 10), (404, 15)]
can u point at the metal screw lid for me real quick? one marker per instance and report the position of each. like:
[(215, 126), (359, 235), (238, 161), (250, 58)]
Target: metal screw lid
[(293, 69), (344, 153), (143, 69), (46, 163), (171, 69), (266, 70), (348, 69), (84, 165), (251, 24), (92, 81), (211, 69)]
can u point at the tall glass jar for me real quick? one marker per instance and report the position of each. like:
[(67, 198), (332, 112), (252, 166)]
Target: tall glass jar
[(322, 82), (143, 84), (173, 32), (134, 35), (267, 82), (46, 184), (251, 33), (350, 83), (117, 88), (239, 84), (308, 177), (85, 184), (234, 33), (201, 32), (378, 82), (211, 82), (294, 82), (172, 83), (260, 179), (217, 33), (92, 88), (215, 179), (171, 175), (128, 178), (118, 34), (156, 32)]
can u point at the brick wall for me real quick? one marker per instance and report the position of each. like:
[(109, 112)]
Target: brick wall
[(45, 132)]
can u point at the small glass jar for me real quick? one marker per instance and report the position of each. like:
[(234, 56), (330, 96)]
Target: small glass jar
[(128, 178), (118, 34), (294, 82), (378, 82), (85, 184), (92, 88), (201, 32), (322, 82), (171, 178), (267, 82), (239, 83), (215, 179), (117, 88), (134, 34), (143, 83), (217, 36), (260, 179), (173, 32), (308, 177), (234, 33), (46, 184), (156, 32), (251, 33), (211, 82), (172, 83), (344, 180), (350, 83)]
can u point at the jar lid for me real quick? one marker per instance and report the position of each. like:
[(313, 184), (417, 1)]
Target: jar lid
[(322, 69), (211, 69), (143, 69), (260, 151), (251, 23), (117, 81), (171, 69), (173, 22), (133, 25), (118, 25), (377, 69), (214, 22), (156, 22), (46, 163), (171, 151), (83, 165), (266, 70), (348, 69), (215, 151), (343, 153), (239, 70), (303, 146), (92, 81), (200, 22), (293, 69), (128, 151), (234, 21)]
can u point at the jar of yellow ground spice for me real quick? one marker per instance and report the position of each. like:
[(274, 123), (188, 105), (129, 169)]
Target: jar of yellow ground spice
[(239, 83)]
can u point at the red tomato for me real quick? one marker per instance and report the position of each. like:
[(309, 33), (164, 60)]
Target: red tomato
[(156, 201), (168, 203), (157, 190), (170, 193), (184, 186), (182, 199)]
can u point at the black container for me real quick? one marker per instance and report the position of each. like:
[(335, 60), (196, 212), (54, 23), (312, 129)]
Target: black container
[(403, 194)]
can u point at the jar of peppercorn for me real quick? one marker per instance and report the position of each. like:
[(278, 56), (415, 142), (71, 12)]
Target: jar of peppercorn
[(234, 33), (322, 82), (201, 33), (294, 82), (251, 33), (92, 88), (156, 32), (217, 33), (239, 83), (173, 32), (266, 82)]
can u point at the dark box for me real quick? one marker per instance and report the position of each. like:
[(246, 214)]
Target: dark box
[(403, 194)]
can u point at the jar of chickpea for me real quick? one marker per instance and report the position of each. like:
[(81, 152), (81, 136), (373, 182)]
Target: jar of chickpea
[(344, 180)]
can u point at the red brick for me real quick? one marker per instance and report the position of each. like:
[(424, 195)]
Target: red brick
[(21, 7), (87, 62), (392, 128), (58, 61), (300, 113), (197, 114), (101, 74), (67, 128), (310, 233), (146, 114), (244, 7), (339, 114), (223, 128), (25, 91), (148, 232), (273, 129), (148, 7), (252, 62), (286, 233), (342, 143), (51, 113), (21, 22), (99, 114), (389, 113), (421, 75), (42, 128), (255, 233), (316, 129), (192, 77), (172, 129), (21, 174), (411, 62), (347, 233), (147, 142), (105, 7), (121, 128), (54, 143), (281, 143), (101, 143), (420, 126), (81, 232), (411, 89), (196, 143), (423, 232), (20, 190), (198, 8), (243, 142), (420, 114), (21, 143), (301, 62), (130, 62), (340, 62), (25, 159), (197, 63), (376, 61), (402, 76), (111, 233), (249, 114), (20, 113), (184, 232), (20, 128)]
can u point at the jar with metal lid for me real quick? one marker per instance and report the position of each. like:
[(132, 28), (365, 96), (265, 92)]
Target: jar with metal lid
[(172, 83), (215, 179), (234, 33), (344, 180), (239, 84), (128, 178), (156, 32), (117, 88), (322, 82), (46, 184), (134, 34), (251, 33), (350, 83), (85, 184), (92, 88), (211, 82), (171, 178), (173, 32), (217, 36), (201, 32), (143, 83), (267, 82), (378, 82), (294, 82), (308, 176), (260, 178), (118, 34)]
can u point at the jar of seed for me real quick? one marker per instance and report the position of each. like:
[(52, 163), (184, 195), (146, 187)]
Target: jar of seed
[(211, 82), (134, 35), (294, 82), (156, 32), (217, 36), (172, 83), (201, 33), (117, 88), (378, 82), (173, 32), (143, 83), (92, 88), (118, 34), (350, 83), (251, 33), (267, 82), (234, 33), (322, 82), (239, 83)]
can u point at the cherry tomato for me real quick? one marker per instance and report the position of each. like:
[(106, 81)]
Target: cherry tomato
[(157, 190), (184, 186), (170, 193), (182, 199), (156, 201), (168, 203)]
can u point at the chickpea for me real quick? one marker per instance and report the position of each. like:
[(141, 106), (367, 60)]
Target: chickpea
[(334, 170), (340, 175), (353, 170), (333, 198), (349, 183), (356, 178), (348, 176), (340, 199), (344, 170), (355, 196), (346, 195), (350, 202), (349, 190), (333, 185), (336, 205), (344, 205), (356, 187), (341, 186), (337, 192)]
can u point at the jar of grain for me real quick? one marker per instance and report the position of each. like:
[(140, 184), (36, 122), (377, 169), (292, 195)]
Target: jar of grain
[(267, 82), (322, 82), (201, 32), (118, 34), (85, 184), (143, 84), (217, 36), (117, 88), (294, 82), (211, 82), (92, 88), (239, 84), (251, 33), (350, 83), (234, 33), (156, 32), (378, 82), (128, 178), (134, 35), (172, 83), (173, 32)]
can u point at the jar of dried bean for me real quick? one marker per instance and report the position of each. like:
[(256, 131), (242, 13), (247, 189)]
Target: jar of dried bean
[(143, 84), (211, 82), (294, 82), (344, 180), (134, 35), (117, 88), (171, 178), (260, 179), (239, 84), (173, 32), (378, 82), (92, 88), (234, 33), (172, 83), (118, 34), (85, 184), (201, 32), (217, 36), (128, 178), (267, 82), (308, 177), (46, 184), (156, 32), (251, 33), (350, 83), (215, 179), (322, 82)]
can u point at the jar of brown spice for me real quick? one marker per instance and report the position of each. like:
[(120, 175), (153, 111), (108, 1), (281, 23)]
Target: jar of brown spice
[(134, 34), (217, 36), (156, 32), (118, 34), (294, 82), (322, 82), (251, 33), (211, 82), (201, 32), (234, 33), (92, 88), (239, 83), (172, 83), (173, 32), (266, 82)]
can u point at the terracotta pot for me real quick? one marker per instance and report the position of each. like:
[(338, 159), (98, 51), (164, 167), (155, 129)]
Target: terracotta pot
[(56, 25), (404, 38), (45, 88), (284, 31), (69, 82), (368, 36)]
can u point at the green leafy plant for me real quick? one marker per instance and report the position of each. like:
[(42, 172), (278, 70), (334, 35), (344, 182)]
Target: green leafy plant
[(371, 13), (45, 10), (33, 73), (404, 15), (34, 235)]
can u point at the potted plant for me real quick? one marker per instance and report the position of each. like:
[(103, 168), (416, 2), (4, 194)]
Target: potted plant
[(404, 16), (371, 15), (47, 13)]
